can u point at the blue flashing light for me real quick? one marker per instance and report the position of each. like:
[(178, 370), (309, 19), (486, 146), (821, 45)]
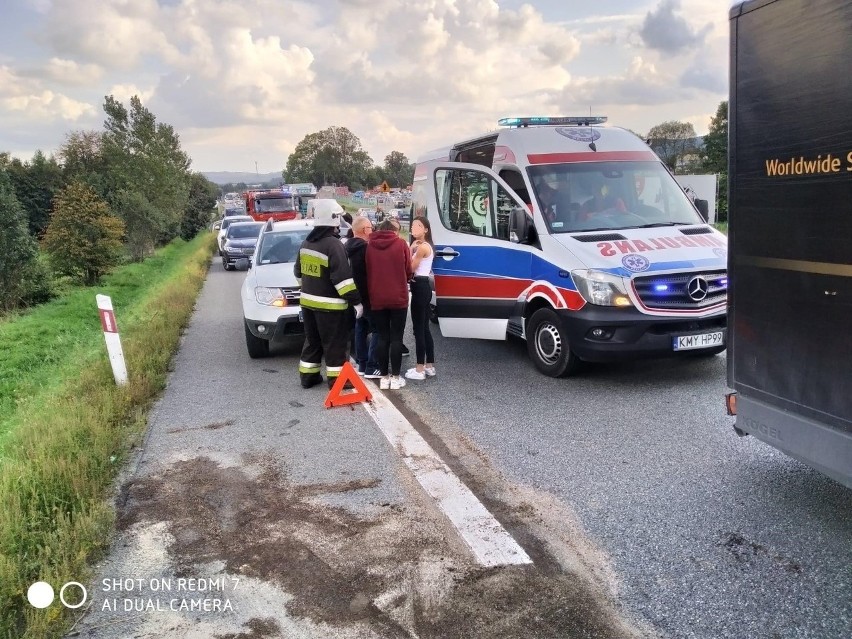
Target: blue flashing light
[(661, 287), (576, 120), (723, 282)]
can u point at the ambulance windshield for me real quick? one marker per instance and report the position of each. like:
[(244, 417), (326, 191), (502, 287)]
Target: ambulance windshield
[(591, 196)]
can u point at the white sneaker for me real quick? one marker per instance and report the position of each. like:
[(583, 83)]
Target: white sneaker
[(430, 372), (385, 382), (413, 373), (396, 382)]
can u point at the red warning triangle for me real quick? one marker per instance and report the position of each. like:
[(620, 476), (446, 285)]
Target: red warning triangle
[(336, 396)]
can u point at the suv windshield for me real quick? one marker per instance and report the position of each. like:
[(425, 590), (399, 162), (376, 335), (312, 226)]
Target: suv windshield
[(244, 231), (228, 221), (591, 196), (278, 247)]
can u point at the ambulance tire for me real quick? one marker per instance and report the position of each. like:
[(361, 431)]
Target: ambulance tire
[(257, 347), (547, 345)]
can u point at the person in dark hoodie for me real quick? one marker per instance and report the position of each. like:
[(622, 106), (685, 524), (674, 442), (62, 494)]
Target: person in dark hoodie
[(328, 289), (388, 272), (365, 348)]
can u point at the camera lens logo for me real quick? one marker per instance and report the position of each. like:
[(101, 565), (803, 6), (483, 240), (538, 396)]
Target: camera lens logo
[(41, 595)]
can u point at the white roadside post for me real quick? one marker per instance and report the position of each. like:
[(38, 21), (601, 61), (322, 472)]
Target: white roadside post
[(113, 341)]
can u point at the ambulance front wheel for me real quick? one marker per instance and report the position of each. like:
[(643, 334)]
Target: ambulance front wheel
[(548, 345)]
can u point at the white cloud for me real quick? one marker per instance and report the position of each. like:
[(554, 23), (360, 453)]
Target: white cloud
[(123, 92), (47, 105), (66, 72), (246, 80), (668, 32), (27, 99)]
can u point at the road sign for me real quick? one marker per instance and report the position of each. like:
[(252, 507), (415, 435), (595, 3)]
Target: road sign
[(336, 396), (385, 187)]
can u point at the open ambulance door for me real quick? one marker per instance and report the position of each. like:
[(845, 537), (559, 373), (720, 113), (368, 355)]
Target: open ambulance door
[(480, 266)]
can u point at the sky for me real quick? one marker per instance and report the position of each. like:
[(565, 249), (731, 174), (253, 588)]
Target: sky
[(243, 81)]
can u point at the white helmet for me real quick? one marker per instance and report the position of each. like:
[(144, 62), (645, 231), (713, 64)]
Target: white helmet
[(327, 213)]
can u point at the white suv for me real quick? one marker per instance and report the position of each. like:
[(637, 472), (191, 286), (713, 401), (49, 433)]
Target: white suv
[(270, 292)]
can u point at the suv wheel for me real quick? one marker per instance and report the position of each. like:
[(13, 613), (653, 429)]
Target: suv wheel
[(257, 347), (548, 346)]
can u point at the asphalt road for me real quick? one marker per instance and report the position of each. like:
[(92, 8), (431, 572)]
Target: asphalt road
[(710, 536), (251, 511), (644, 514)]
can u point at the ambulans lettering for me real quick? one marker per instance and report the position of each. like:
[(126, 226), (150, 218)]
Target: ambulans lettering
[(606, 249), (609, 249)]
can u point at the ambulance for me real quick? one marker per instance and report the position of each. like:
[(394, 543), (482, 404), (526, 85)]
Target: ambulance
[(575, 237)]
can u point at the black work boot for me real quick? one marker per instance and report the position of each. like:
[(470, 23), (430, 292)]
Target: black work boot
[(308, 381)]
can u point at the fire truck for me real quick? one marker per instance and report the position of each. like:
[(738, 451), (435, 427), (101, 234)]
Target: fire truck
[(272, 204)]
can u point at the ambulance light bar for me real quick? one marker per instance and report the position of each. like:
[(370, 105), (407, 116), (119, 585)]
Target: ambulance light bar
[(576, 120)]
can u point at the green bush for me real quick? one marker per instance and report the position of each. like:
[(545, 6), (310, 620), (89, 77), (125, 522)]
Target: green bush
[(83, 238), (37, 283)]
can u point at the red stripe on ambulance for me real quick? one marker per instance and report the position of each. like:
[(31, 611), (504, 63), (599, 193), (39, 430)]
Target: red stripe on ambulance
[(589, 156)]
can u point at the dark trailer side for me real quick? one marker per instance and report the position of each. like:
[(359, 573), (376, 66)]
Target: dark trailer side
[(790, 234)]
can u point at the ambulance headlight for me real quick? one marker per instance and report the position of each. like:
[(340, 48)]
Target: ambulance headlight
[(601, 289)]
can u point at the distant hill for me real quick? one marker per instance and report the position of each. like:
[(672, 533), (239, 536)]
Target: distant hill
[(235, 177)]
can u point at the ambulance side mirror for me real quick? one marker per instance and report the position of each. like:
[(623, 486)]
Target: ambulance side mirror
[(519, 225)]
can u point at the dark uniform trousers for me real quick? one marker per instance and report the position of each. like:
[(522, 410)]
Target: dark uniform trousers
[(326, 334)]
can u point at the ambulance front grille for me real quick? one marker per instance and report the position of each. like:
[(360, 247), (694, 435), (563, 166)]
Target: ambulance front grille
[(671, 291)]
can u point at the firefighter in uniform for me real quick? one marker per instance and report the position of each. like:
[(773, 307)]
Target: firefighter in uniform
[(328, 289)]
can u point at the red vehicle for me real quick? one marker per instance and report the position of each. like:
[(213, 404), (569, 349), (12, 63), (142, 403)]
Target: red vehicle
[(274, 205)]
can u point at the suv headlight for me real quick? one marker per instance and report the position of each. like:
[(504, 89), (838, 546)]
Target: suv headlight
[(601, 289), (269, 296)]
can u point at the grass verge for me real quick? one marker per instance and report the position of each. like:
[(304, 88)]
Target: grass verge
[(45, 345), (66, 442)]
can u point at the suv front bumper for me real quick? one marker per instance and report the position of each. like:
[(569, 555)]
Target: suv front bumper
[(278, 329)]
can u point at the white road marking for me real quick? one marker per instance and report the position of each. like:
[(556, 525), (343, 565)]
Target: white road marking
[(490, 543)]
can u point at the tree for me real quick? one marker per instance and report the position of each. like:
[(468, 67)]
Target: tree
[(83, 160), (673, 142), (331, 156), (145, 158), (399, 172), (202, 199), (36, 182), (83, 238), (714, 155), (18, 249)]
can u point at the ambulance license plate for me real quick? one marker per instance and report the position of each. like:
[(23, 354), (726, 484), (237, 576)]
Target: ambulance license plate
[(704, 340), (301, 319)]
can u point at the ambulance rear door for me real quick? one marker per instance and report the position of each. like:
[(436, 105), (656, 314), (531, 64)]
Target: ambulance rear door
[(479, 271)]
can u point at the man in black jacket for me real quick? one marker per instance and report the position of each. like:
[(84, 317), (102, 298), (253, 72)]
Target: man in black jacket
[(328, 289), (365, 348)]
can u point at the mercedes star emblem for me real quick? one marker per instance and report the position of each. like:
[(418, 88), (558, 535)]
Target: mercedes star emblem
[(697, 288)]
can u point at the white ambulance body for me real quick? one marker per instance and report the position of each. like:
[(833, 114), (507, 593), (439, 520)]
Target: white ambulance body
[(574, 237)]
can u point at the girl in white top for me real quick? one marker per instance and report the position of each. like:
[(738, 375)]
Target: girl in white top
[(422, 255)]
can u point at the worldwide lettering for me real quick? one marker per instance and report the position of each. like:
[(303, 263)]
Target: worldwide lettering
[(820, 165)]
